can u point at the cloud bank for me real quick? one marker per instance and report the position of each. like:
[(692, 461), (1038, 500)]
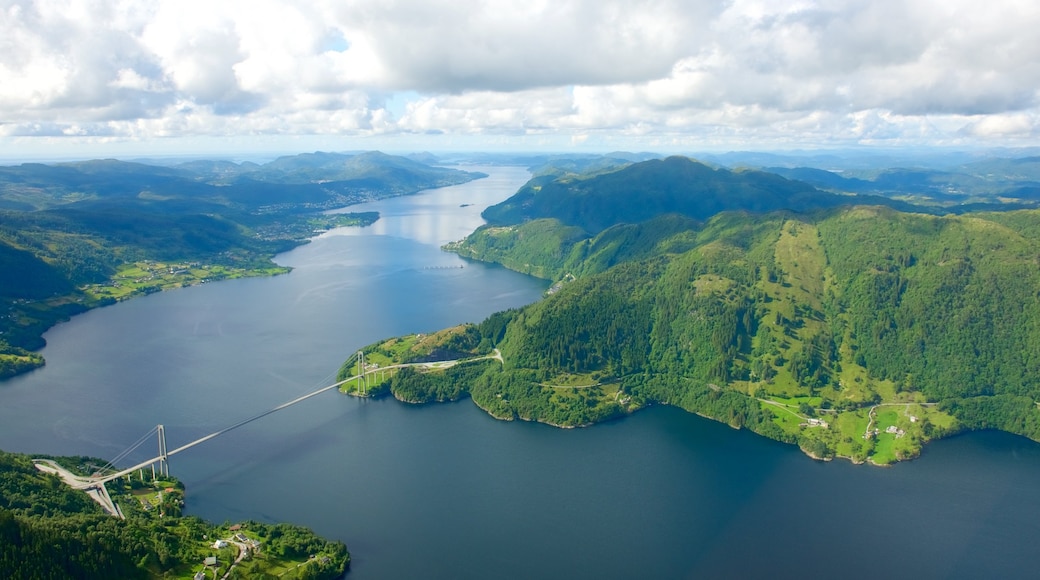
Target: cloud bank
[(651, 72)]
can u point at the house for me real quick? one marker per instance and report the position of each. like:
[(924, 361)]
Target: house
[(220, 544), (210, 561)]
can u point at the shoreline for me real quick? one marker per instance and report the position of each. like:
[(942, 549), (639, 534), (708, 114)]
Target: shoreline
[(808, 453)]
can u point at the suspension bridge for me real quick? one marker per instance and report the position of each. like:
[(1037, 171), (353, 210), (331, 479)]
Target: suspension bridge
[(95, 485)]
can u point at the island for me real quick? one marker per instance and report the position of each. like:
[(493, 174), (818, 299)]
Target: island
[(853, 325), (149, 539)]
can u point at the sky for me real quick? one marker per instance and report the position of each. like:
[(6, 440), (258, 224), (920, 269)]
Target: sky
[(181, 76)]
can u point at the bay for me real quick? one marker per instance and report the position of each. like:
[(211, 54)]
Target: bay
[(445, 491)]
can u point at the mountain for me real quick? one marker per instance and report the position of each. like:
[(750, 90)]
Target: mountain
[(640, 191), (852, 330)]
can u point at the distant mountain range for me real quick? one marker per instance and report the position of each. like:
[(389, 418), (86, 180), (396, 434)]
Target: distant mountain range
[(305, 181)]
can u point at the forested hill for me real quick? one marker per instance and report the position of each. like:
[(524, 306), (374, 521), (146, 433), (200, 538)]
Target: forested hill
[(640, 191), (857, 331)]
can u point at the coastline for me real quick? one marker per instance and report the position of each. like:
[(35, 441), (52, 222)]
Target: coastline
[(868, 460)]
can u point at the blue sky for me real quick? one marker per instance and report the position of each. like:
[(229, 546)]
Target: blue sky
[(121, 77)]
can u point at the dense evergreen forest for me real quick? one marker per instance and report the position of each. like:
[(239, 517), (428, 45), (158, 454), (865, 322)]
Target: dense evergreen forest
[(48, 530), (78, 235), (853, 330)]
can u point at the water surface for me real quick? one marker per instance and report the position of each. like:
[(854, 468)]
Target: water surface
[(445, 491)]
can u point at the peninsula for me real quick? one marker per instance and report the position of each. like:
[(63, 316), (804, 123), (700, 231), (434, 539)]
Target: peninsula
[(855, 326)]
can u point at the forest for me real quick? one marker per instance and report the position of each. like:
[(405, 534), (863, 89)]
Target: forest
[(48, 530)]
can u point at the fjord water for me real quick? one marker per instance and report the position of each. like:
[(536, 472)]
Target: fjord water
[(445, 491)]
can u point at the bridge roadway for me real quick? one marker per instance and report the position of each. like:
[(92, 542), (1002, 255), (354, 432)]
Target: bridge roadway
[(87, 483), (91, 482)]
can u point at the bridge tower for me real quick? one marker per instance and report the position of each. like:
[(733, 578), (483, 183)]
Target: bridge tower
[(164, 462), (363, 381)]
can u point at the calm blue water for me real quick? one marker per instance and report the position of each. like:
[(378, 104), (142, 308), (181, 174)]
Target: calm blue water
[(444, 491)]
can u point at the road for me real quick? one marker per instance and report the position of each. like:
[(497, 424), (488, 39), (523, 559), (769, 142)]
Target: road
[(243, 551), (96, 492), (436, 365)]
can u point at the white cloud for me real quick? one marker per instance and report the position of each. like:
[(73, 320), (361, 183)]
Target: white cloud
[(1012, 125), (664, 71)]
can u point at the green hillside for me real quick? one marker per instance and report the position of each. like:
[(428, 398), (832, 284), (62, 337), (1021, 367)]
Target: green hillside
[(855, 331)]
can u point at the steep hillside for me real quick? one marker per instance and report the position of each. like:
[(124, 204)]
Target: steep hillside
[(861, 332)]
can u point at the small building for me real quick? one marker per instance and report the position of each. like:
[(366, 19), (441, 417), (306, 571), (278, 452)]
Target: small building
[(235, 527), (220, 544), (210, 561)]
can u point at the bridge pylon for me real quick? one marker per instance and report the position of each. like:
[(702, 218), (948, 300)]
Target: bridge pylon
[(164, 460), (363, 380)]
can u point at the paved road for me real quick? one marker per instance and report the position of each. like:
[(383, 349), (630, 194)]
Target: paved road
[(97, 492), (243, 551)]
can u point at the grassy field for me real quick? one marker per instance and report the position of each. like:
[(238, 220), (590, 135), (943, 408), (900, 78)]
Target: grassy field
[(146, 277)]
